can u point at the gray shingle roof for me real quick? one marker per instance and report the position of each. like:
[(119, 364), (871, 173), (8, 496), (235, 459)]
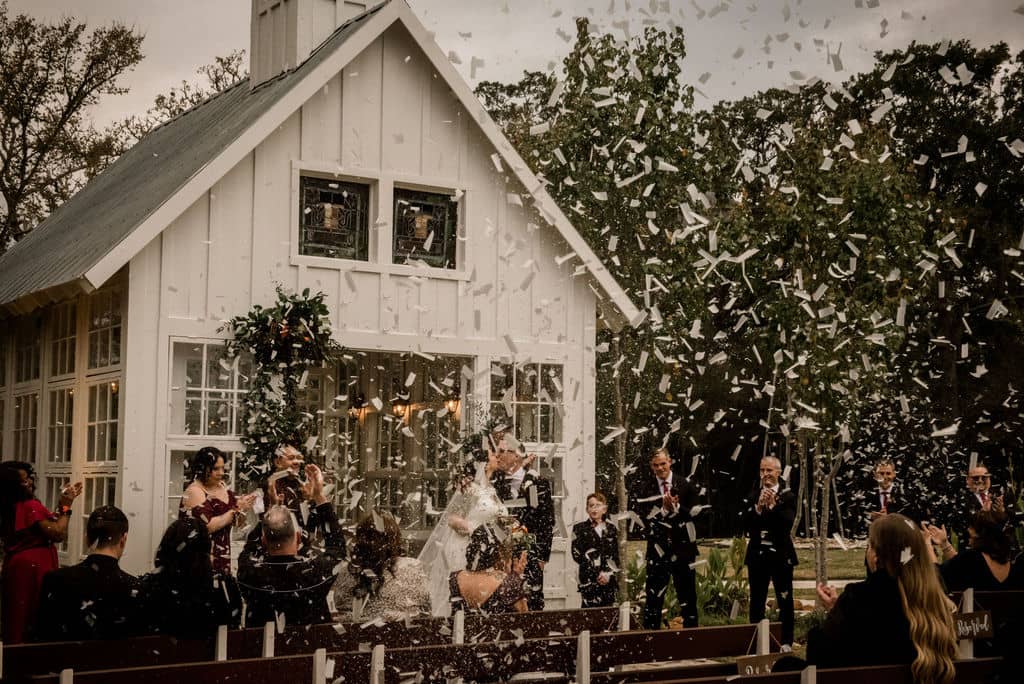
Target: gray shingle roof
[(96, 219)]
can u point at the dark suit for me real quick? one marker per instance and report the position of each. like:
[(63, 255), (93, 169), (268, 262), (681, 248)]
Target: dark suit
[(897, 501), (594, 554), (535, 509), (967, 505), (771, 556), (295, 586), (95, 599), (671, 546)]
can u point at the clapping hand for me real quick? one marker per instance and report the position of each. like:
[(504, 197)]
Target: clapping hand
[(827, 595), (766, 501), (69, 493), (669, 502), (937, 535), (244, 503)]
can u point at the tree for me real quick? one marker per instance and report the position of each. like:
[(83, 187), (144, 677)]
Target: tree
[(51, 76), (214, 78)]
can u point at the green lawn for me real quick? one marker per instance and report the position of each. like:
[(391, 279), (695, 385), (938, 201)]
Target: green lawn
[(847, 564)]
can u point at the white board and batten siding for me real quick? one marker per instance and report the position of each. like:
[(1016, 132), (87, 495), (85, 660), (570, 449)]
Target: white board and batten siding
[(387, 119)]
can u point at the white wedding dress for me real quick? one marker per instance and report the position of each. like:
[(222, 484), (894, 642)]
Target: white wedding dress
[(445, 550)]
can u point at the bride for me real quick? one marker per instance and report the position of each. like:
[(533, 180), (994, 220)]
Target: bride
[(474, 503)]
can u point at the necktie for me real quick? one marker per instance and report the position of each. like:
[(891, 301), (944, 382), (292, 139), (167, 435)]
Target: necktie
[(664, 486), (984, 498), (885, 500)]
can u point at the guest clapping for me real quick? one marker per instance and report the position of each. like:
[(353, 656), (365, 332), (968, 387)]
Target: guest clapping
[(493, 580), (30, 532), (209, 499), (183, 596), (276, 580), (380, 582), (986, 564), (899, 615), (595, 549)]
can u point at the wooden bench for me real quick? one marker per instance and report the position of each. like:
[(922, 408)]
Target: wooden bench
[(485, 661), (33, 659), (976, 671)]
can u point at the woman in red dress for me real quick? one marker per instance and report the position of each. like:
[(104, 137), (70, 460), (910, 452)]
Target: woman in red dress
[(30, 533), (209, 499)]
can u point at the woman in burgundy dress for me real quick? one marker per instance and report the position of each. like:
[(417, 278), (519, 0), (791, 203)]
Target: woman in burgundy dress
[(30, 533), (209, 499)]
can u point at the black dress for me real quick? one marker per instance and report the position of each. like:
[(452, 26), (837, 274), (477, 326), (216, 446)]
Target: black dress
[(969, 569), (503, 600), (865, 627), (190, 610)]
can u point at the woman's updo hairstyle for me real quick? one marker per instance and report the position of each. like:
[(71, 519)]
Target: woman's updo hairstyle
[(488, 548), (203, 462)]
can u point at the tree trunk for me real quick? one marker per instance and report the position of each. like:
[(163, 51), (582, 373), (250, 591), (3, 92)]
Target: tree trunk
[(620, 474)]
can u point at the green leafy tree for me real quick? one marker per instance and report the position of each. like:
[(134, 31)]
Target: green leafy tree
[(51, 77)]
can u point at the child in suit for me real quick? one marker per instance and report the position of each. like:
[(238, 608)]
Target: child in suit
[(595, 549)]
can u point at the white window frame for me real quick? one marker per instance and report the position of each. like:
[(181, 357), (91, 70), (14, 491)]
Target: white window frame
[(173, 431)]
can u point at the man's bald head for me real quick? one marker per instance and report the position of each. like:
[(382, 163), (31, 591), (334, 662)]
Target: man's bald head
[(280, 531)]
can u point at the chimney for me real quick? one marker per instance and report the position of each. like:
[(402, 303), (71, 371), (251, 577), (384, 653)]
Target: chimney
[(285, 32)]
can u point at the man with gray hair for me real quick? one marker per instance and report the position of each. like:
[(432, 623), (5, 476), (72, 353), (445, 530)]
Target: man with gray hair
[(768, 517), (276, 579)]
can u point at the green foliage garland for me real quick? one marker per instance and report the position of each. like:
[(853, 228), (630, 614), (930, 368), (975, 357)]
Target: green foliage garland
[(285, 341)]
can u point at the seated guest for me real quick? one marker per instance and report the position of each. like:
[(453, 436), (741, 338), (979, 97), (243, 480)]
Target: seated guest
[(30, 534), (899, 615), (493, 579), (95, 599), (276, 580), (183, 596), (208, 498), (595, 549), (380, 582), (986, 564)]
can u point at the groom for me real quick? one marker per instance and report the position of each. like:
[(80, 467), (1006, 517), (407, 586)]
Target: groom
[(528, 497)]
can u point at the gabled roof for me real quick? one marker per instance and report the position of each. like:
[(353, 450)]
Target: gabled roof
[(102, 227)]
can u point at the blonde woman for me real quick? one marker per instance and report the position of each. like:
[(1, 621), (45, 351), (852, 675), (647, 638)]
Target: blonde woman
[(898, 615)]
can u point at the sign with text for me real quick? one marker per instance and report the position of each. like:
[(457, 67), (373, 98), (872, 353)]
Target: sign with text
[(974, 625), (757, 665)]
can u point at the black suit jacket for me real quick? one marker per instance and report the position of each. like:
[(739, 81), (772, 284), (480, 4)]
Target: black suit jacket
[(865, 627), (670, 537), (594, 554), (95, 599), (769, 533), (296, 586), (869, 501), (537, 513)]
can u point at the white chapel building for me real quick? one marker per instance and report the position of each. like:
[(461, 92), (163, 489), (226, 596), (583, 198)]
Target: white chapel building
[(354, 161)]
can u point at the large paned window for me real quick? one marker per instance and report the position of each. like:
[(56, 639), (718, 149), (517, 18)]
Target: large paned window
[(26, 422), (334, 219), (3, 366), (396, 418), (104, 329), (101, 437), (63, 324), (528, 398), (426, 228), (27, 349), (60, 405), (60, 419), (99, 489), (206, 389)]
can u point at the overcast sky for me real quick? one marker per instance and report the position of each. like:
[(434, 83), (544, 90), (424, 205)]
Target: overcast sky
[(726, 39)]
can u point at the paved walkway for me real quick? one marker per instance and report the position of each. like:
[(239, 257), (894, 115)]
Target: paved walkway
[(809, 584)]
